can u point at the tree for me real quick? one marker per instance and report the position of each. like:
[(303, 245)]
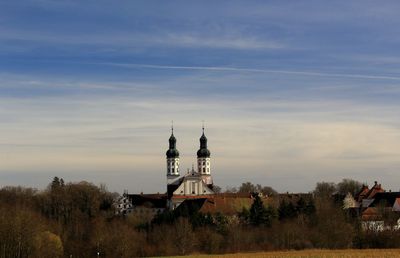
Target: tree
[(310, 207), (231, 189), (55, 183), (348, 186), (286, 210), (247, 188), (330, 226), (209, 241), (48, 245), (116, 239), (244, 215), (216, 189), (301, 206), (349, 201), (183, 236), (259, 214), (324, 189), (268, 191), (251, 188), (18, 229)]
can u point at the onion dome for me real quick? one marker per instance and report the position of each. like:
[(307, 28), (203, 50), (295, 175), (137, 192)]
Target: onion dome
[(203, 152), (172, 152)]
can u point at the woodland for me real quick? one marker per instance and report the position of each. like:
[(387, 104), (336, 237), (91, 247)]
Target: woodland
[(79, 220)]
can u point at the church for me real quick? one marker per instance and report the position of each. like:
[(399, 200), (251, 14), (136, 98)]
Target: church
[(193, 183), (190, 185), (193, 189)]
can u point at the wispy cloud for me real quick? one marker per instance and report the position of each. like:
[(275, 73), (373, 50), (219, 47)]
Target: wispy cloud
[(252, 70), (139, 39), (230, 42)]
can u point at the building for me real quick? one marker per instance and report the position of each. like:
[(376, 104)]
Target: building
[(123, 205), (193, 183), (379, 210)]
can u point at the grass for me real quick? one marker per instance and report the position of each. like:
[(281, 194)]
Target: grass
[(314, 253)]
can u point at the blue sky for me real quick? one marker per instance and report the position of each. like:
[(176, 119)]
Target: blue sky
[(292, 92)]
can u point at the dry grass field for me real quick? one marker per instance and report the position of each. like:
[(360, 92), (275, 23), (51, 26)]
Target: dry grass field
[(349, 253)]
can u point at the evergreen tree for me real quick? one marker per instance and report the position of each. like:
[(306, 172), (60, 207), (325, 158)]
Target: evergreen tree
[(55, 184), (310, 207), (282, 210), (286, 210), (301, 206), (259, 215)]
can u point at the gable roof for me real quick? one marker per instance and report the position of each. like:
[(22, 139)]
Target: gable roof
[(225, 203), (190, 206), (362, 193), (172, 187), (228, 205), (386, 198), (370, 214), (377, 188)]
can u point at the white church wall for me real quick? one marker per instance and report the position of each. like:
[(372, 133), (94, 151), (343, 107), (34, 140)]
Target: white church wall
[(193, 186)]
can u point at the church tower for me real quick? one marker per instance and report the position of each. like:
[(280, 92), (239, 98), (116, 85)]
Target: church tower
[(203, 160), (172, 158)]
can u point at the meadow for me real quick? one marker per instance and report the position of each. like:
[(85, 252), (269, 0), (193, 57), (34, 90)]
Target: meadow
[(315, 253)]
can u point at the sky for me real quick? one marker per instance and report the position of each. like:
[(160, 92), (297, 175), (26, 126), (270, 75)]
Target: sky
[(292, 92)]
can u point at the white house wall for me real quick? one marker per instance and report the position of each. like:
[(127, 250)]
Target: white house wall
[(396, 206)]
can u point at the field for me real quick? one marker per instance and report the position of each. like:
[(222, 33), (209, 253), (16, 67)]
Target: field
[(349, 253)]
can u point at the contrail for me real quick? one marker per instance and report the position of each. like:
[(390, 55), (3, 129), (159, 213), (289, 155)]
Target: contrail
[(251, 70)]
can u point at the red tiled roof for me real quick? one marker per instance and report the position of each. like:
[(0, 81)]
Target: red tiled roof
[(370, 214), (229, 204), (220, 195), (192, 196), (362, 193), (374, 190), (226, 205)]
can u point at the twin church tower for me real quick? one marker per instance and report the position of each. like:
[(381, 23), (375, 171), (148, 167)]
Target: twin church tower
[(193, 182)]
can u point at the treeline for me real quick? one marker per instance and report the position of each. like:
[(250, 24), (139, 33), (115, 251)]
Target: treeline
[(78, 220), (59, 221)]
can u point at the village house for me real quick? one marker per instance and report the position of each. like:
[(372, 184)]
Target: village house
[(379, 210)]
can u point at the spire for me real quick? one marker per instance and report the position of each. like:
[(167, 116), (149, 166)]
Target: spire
[(172, 141), (172, 152), (203, 141), (203, 138), (203, 151)]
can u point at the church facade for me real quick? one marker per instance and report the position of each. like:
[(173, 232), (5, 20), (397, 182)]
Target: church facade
[(193, 183), (190, 185)]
